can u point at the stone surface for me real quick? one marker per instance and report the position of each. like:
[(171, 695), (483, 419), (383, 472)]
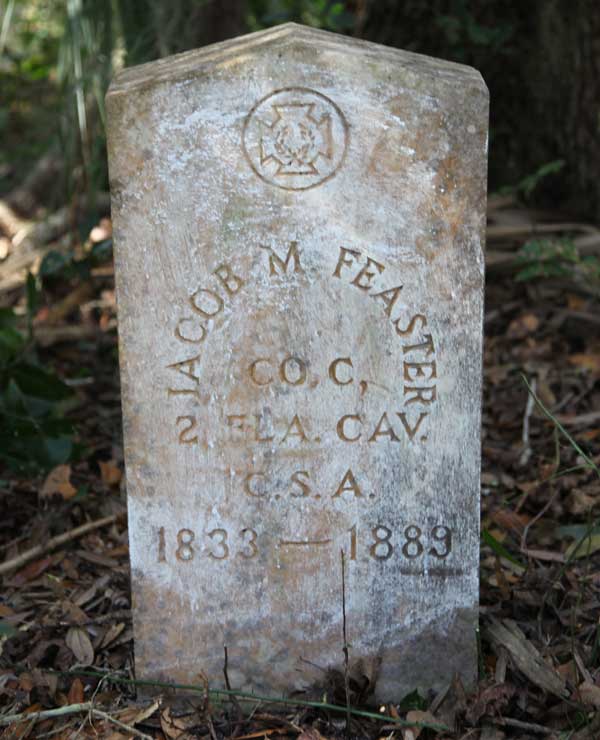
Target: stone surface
[(298, 240)]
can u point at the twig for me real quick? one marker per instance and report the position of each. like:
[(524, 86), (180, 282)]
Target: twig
[(346, 656), (529, 726), (247, 696), (128, 728), (526, 453), (9, 719), (591, 464), (234, 701), (535, 519), (51, 544)]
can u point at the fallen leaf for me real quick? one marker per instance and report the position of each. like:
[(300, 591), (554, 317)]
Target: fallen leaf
[(416, 715), (111, 474), (584, 361), (526, 656), (26, 681), (589, 694), (311, 733), (80, 645), (75, 695), (112, 633), (522, 326), (175, 727), (576, 302), (33, 570), (144, 714), (490, 702), (510, 520), (583, 548), (568, 671), (58, 483)]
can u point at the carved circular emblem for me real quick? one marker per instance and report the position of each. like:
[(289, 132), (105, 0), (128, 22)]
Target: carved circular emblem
[(295, 138)]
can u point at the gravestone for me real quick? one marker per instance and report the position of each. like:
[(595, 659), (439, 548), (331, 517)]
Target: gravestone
[(298, 225)]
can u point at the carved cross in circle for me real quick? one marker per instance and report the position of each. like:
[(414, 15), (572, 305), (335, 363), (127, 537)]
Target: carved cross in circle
[(296, 139)]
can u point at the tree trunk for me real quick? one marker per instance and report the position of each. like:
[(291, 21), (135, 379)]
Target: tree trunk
[(541, 61)]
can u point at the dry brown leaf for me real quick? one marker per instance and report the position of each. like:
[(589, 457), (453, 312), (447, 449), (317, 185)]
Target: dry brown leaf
[(510, 520), (110, 472), (75, 695), (522, 326), (584, 361), (568, 671), (112, 633), (526, 656), (175, 727), (32, 571), (589, 694), (311, 733), (576, 302), (26, 681), (58, 483), (127, 715), (145, 714), (80, 645), (262, 733), (416, 715)]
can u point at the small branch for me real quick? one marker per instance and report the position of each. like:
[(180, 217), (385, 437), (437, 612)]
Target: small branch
[(256, 698), (234, 700), (529, 726), (526, 453), (61, 539), (9, 719), (128, 728), (346, 655), (86, 706)]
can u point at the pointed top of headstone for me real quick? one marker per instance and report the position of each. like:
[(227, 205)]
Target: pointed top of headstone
[(191, 63)]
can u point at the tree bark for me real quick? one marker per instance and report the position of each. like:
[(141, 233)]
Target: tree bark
[(541, 61)]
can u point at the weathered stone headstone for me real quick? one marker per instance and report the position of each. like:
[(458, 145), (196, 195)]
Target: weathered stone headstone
[(298, 238)]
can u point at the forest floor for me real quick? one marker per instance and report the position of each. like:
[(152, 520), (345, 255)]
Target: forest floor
[(65, 608)]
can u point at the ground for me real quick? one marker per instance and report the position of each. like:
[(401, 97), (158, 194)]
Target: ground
[(66, 661)]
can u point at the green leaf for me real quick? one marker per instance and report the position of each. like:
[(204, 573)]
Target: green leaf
[(58, 450), (7, 318), (36, 382), (53, 264), (576, 531), (583, 548), (499, 548), (6, 629), (102, 252), (11, 343), (32, 296), (414, 700)]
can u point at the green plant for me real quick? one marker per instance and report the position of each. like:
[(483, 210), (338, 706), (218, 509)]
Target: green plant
[(328, 14), (60, 268), (557, 258), (34, 433)]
